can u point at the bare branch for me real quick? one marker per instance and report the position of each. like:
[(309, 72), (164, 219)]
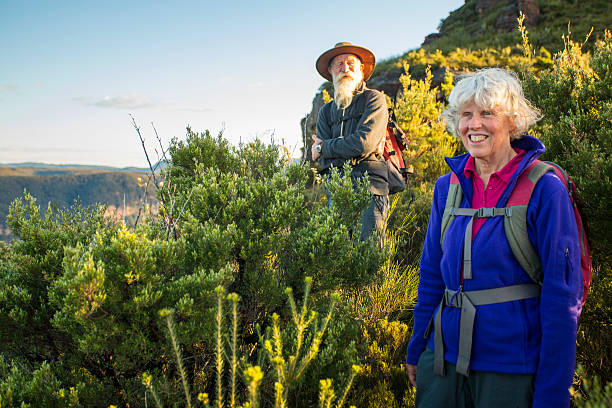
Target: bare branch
[(137, 216), (305, 152), (185, 204), (144, 148), (168, 217), (160, 145)]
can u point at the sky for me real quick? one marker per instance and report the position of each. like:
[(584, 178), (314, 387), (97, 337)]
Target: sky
[(73, 71)]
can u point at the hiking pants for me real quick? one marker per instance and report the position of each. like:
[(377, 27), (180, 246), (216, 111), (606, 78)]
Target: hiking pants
[(374, 218), (479, 390)]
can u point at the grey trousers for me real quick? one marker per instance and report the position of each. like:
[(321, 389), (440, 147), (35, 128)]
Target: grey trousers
[(479, 390), (374, 218)]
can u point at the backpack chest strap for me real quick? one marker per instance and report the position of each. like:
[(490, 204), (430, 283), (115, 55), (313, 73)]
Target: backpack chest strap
[(467, 302), (515, 220), (467, 240)]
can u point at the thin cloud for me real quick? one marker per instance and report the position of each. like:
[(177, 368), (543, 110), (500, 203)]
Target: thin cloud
[(135, 102), (117, 102), (258, 84)]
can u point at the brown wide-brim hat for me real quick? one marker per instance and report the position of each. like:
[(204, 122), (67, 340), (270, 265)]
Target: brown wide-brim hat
[(368, 60)]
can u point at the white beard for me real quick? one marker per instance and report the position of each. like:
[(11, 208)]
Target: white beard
[(344, 89)]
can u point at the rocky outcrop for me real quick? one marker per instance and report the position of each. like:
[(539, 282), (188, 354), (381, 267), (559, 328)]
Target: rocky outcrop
[(483, 5), (387, 82), (506, 19), (431, 37), (308, 124)]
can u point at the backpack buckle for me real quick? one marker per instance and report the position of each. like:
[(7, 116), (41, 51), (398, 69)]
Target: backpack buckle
[(485, 212)]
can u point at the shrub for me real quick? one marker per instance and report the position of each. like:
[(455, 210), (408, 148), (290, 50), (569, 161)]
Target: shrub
[(80, 294), (384, 382), (287, 365), (34, 387), (575, 97), (417, 110), (593, 393)]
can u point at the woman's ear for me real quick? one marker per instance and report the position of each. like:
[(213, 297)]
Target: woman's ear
[(511, 124)]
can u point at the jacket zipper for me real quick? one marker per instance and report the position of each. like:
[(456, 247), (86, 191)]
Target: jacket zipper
[(342, 122)]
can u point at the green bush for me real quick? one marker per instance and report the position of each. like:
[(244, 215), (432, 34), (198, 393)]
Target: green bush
[(575, 97), (593, 394), (24, 386), (289, 351), (384, 382), (80, 294), (417, 110)]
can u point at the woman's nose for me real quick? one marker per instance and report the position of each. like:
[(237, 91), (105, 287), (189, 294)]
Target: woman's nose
[(475, 122)]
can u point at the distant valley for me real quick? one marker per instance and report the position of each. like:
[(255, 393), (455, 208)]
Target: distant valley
[(63, 185)]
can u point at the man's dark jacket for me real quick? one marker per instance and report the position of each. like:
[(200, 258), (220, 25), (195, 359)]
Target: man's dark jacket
[(355, 134)]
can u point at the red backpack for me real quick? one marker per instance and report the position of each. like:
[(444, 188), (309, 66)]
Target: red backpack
[(395, 144), (586, 260)]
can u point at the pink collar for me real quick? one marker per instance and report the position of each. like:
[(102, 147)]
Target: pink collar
[(506, 172)]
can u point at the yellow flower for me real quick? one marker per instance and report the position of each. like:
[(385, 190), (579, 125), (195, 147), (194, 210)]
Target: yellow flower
[(278, 387), (254, 374), (203, 397), (146, 379)]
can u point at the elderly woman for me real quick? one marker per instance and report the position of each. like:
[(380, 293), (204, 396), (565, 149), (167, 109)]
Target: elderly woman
[(485, 334)]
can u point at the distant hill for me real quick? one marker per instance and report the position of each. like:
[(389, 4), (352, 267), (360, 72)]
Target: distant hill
[(70, 167), (62, 185), (482, 24)]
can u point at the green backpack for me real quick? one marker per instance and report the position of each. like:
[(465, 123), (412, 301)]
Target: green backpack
[(515, 221)]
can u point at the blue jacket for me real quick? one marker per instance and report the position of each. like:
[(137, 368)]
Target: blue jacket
[(531, 336)]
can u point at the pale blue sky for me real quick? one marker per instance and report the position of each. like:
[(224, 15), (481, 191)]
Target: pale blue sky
[(72, 71)]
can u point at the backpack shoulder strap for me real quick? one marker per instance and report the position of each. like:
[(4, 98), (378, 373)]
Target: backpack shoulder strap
[(453, 200), (515, 226)]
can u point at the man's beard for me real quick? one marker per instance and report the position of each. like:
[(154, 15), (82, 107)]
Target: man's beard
[(344, 88)]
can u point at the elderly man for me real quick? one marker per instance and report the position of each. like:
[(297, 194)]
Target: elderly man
[(352, 127)]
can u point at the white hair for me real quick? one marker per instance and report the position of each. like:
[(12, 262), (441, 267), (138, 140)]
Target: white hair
[(489, 88)]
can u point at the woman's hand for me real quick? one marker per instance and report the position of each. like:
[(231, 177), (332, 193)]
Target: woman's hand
[(412, 370)]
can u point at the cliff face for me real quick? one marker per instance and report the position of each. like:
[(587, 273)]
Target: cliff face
[(506, 19), (308, 124)]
